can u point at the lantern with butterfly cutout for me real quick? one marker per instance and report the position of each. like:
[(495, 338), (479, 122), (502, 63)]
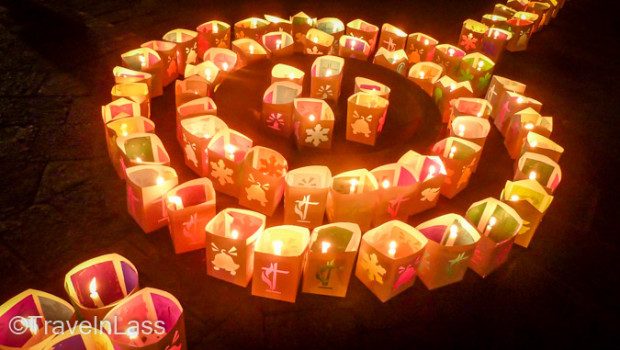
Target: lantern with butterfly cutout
[(187, 47), (352, 198)]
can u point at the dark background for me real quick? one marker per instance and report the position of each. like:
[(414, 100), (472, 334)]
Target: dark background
[(62, 203)]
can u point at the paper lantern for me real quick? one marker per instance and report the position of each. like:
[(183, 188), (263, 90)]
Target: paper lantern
[(397, 186), (517, 5), (543, 10), (472, 129), (333, 26), (206, 70), (528, 16), (449, 57), (277, 24), (352, 198), (420, 48), (187, 46), (167, 52), (498, 225), (147, 60), (531, 201), (277, 111), (503, 10), (371, 87), (313, 123), (141, 149), (278, 262), (120, 127), (284, 72), (459, 156), (231, 237), (82, 337), (520, 124), (392, 60), (365, 117), (305, 195), (212, 34), (447, 90), (326, 77), (430, 173), (330, 260), (190, 206), (496, 90), (451, 244), (148, 306), (389, 258), (124, 75), (470, 107), (262, 181), (508, 105), (137, 92), (248, 51), (278, 44), (477, 69), (361, 29), (197, 133), (537, 143), (189, 89), (301, 24), (146, 188), (39, 312), (521, 29), (425, 75), (556, 5), (494, 42), (494, 21), (317, 42), (98, 285), (392, 38), (535, 166), (119, 108), (224, 59), (470, 39), (251, 28), (200, 106), (226, 152), (352, 47)]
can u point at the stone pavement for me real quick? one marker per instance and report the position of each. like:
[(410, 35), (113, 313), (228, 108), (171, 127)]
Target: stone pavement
[(62, 202)]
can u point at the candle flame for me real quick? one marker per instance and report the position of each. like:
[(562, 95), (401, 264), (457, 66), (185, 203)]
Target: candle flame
[(354, 183), (208, 73), (529, 126), (386, 184), (142, 60), (138, 159), (235, 234), (480, 64), (93, 287), (325, 246), (461, 130), (533, 144), (431, 171), (452, 151), (453, 231), (176, 200), (278, 44), (520, 100), (207, 136), (514, 198), (231, 150), (533, 175), (254, 23), (311, 117), (251, 49), (316, 40), (452, 87), (328, 72), (422, 75), (492, 221), (277, 247), (392, 250), (291, 76), (451, 52), (426, 42), (225, 66), (215, 29), (124, 133), (160, 180)]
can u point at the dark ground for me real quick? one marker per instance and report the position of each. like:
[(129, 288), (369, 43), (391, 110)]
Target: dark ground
[(62, 202)]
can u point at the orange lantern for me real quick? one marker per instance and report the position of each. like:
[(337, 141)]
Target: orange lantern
[(420, 48), (459, 156), (212, 34), (352, 198), (262, 181), (397, 185), (187, 46), (278, 105), (305, 195), (430, 173), (392, 38), (226, 152), (314, 123)]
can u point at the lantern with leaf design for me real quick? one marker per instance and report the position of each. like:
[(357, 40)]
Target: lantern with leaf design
[(226, 152), (301, 23), (251, 28), (459, 156), (317, 42), (262, 181), (352, 198), (334, 27), (430, 173), (477, 69), (305, 195)]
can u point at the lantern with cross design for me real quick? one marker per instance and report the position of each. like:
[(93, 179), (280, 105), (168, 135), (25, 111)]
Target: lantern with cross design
[(314, 123), (226, 152), (278, 106), (305, 195), (397, 185), (392, 38)]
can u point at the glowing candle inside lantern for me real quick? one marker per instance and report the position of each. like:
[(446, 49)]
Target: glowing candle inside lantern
[(529, 126), (311, 117), (520, 100), (496, 34), (215, 29), (461, 130), (208, 74), (386, 184), (225, 66), (451, 52), (316, 40), (160, 181), (291, 76), (352, 44), (178, 201), (325, 246), (278, 44), (93, 293), (392, 250), (30, 324), (533, 144), (277, 247), (492, 222), (533, 175), (251, 49), (132, 333), (452, 151), (254, 24), (230, 149), (480, 114), (452, 237), (480, 64), (206, 136), (422, 75), (431, 172), (354, 183), (235, 234), (328, 72), (514, 198), (452, 87), (142, 60), (425, 41)]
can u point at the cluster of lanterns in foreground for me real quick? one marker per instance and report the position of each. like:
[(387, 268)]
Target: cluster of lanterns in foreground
[(367, 210)]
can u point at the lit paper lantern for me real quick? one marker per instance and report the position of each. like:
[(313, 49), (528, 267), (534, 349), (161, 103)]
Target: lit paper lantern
[(330, 260), (449, 57), (395, 195), (392, 38), (333, 26), (278, 44), (496, 90), (371, 87), (494, 21), (224, 59), (251, 28), (470, 39), (97, 285), (527, 16), (313, 123), (459, 157), (451, 244), (262, 181), (494, 43), (197, 133), (517, 5), (305, 195), (472, 129), (248, 51), (119, 108), (141, 149), (39, 312), (531, 201), (147, 306), (317, 42), (361, 29), (520, 124), (277, 111), (137, 92), (447, 90), (231, 237), (326, 77), (226, 152), (301, 24), (212, 34), (538, 167), (389, 258), (120, 127), (187, 46), (365, 117), (392, 60), (503, 10), (353, 47), (508, 105), (430, 173), (124, 75), (477, 69), (146, 188), (167, 52), (521, 29), (277, 24), (190, 206), (498, 225), (537, 143), (191, 88), (206, 70), (470, 106), (543, 10), (284, 72), (146, 60), (278, 262), (420, 48), (425, 75), (352, 198), (200, 106)]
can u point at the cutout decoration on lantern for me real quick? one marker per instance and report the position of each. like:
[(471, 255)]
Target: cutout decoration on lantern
[(187, 46), (392, 60), (212, 34), (420, 48), (395, 196), (305, 195), (459, 156), (352, 198), (392, 38), (262, 180), (366, 115)]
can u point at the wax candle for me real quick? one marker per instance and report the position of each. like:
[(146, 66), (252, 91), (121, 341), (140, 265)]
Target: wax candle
[(366, 31), (392, 38), (352, 47), (212, 34), (459, 157), (278, 106), (352, 198), (395, 195), (430, 173), (305, 195), (420, 48), (392, 60), (425, 75), (226, 152), (314, 123), (284, 72), (187, 45), (326, 77), (262, 181), (197, 132), (538, 167), (366, 115)]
